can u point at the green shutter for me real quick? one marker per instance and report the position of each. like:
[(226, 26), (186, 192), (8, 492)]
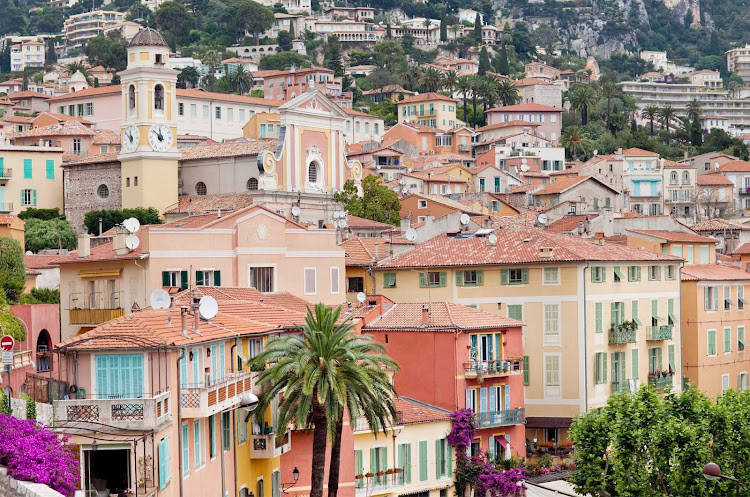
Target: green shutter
[(438, 459), (407, 471), (599, 315), (423, 460), (503, 276), (670, 354), (491, 448), (604, 274), (165, 278), (654, 308), (526, 370), (422, 280), (480, 278), (358, 468), (384, 463), (50, 169), (27, 169), (638, 273), (604, 367), (727, 340), (615, 365), (613, 313), (524, 276), (711, 342), (443, 278), (373, 459), (33, 197), (183, 280), (597, 368), (163, 462), (217, 278), (634, 312), (459, 278), (199, 278), (634, 363), (449, 450)]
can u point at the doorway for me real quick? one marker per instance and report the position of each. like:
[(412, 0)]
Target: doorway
[(107, 471)]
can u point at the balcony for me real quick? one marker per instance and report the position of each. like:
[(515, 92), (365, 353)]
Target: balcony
[(6, 206), (744, 191), (660, 380), (204, 401), (381, 485), (360, 424), (5, 175), (93, 316), (139, 413), (618, 337), (267, 447), (482, 369), (659, 332), (493, 419), (463, 148)]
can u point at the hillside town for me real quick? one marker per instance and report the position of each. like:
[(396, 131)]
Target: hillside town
[(259, 248)]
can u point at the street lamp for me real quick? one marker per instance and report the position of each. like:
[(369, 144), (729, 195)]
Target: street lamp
[(287, 486), (712, 472)]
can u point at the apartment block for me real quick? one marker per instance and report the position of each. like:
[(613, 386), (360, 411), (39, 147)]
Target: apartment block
[(80, 28), (27, 54), (30, 176)]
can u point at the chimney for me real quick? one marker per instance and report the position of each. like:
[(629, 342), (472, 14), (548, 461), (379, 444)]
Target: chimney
[(183, 318), (118, 241), (218, 213), (376, 252), (546, 252), (599, 239), (84, 245), (425, 315), (195, 306)]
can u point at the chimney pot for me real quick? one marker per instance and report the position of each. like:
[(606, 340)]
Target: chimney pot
[(183, 319), (84, 245), (425, 315)]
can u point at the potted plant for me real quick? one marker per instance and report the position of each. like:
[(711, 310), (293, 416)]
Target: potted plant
[(389, 471), (380, 473), (359, 476), (129, 492), (369, 474), (398, 470)]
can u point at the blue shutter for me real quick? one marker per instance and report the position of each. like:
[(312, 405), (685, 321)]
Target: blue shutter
[(185, 451), (222, 367), (507, 397), (468, 398), (163, 452), (2, 166), (196, 358), (197, 443), (483, 399), (213, 363), (27, 170), (493, 399), (33, 197), (492, 446), (183, 371), (101, 377), (50, 169)]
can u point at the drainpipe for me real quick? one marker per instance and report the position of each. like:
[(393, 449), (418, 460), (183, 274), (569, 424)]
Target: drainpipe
[(585, 344), (679, 279), (234, 452), (179, 416)]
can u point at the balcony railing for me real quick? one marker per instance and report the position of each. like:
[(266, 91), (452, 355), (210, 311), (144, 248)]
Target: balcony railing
[(205, 400), (6, 173), (6, 206), (267, 447), (94, 316), (463, 148), (133, 411), (659, 380), (474, 368), (744, 191), (620, 386), (621, 336), (360, 423), (493, 419), (663, 332)]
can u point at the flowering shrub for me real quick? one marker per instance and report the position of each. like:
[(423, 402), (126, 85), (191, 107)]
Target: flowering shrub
[(463, 429), (500, 483), (34, 453)]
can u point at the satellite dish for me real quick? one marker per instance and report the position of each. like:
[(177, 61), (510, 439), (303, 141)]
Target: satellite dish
[(525, 167), (335, 223), (132, 241), (378, 167), (492, 239), (716, 166), (411, 234), (342, 223), (361, 297), (132, 224), (404, 190), (596, 152), (29, 252), (402, 181), (542, 219), (208, 307), (295, 211), (160, 299), (524, 161), (465, 219)]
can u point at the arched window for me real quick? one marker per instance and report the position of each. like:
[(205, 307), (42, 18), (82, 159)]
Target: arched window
[(312, 172), (686, 178), (673, 178), (158, 97), (252, 184), (102, 191), (131, 97), (200, 188)]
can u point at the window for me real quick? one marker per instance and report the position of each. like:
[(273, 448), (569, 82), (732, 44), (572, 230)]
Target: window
[(389, 280), (311, 285), (212, 436), (252, 184), (551, 276), (742, 381), (617, 310), (197, 439), (514, 276), (241, 429), (724, 383), (102, 191), (552, 370), (598, 274), (159, 97), (76, 142), (27, 169), (442, 458), (208, 277), (711, 298), (103, 149), (312, 172), (218, 112), (28, 197), (432, 279), (185, 451), (741, 342), (600, 369), (226, 431), (618, 275), (193, 110), (50, 166), (131, 97), (552, 323), (200, 188), (423, 474), (261, 278), (403, 463), (164, 462), (180, 109), (727, 339), (230, 114), (469, 278), (654, 273), (355, 284), (422, 204), (205, 112), (634, 273), (670, 273), (654, 359), (711, 336)]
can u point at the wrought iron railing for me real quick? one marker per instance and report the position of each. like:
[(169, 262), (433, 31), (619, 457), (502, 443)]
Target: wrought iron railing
[(501, 418), (617, 336), (663, 332)]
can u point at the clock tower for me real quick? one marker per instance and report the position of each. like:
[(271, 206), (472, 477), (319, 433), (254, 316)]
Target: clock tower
[(149, 153)]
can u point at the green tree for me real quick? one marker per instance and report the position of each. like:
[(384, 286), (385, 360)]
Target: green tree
[(430, 79), (248, 16), (443, 30), (650, 112), (107, 52), (377, 203), (174, 17), (51, 234), (41, 296), (388, 34), (240, 80), (484, 62), (503, 67), (326, 370), (75, 67), (285, 41), (333, 56), (389, 54), (189, 77), (489, 91), (111, 218), (582, 97), (478, 30), (609, 90), (507, 93), (464, 87), (43, 214), (575, 140), (666, 116), (475, 87), (283, 61), (450, 80), (12, 268)]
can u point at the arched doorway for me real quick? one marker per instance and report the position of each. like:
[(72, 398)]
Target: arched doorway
[(43, 355)]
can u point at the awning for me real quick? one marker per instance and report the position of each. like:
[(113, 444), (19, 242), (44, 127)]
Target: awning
[(743, 342), (728, 301), (672, 317), (657, 318), (637, 321), (102, 273), (502, 441), (548, 422), (619, 274), (742, 299)]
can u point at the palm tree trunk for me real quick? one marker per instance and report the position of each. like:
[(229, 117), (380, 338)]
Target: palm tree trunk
[(318, 450), (335, 461), (474, 104), (652, 126), (584, 115), (608, 114), (465, 119)]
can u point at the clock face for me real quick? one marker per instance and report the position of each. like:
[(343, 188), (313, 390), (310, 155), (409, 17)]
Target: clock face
[(130, 139), (160, 138)]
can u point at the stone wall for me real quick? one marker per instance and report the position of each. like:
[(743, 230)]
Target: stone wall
[(43, 412), (14, 488), (81, 186)]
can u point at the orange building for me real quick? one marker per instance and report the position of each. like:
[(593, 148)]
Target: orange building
[(416, 207), (431, 140), (429, 109)]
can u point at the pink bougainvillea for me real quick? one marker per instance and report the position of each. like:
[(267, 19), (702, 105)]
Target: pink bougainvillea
[(500, 483), (463, 429), (34, 453)]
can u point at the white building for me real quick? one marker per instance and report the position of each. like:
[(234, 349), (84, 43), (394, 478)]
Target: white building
[(26, 54), (738, 61), (292, 6), (80, 28), (710, 79), (469, 15)]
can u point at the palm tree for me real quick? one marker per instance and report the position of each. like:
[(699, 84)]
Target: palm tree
[(609, 90), (240, 80), (694, 110), (410, 78), (475, 86), (430, 79), (575, 140), (75, 67), (507, 92), (488, 90), (464, 86), (327, 370), (666, 116), (212, 59), (581, 98), (650, 112), (450, 79)]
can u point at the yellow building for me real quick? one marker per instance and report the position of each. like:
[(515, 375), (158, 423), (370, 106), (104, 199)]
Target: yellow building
[(262, 125), (429, 109), (30, 177), (577, 298), (12, 227), (412, 459)]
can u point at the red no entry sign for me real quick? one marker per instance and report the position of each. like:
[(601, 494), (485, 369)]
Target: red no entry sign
[(7, 343)]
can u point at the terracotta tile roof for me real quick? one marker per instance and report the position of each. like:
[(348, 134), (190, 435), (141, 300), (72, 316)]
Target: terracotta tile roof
[(670, 164), (562, 184), (17, 119), (714, 272), (507, 124), (353, 112), (228, 97), (232, 295), (6, 219), (96, 159), (530, 82), (713, 179), (32, 272), (514, 247), (638, 152), (88, 92), (444, 316), (228, 149), (388, 89), (522, 188), (735, 166), (40, 261), (27, 94), (65, 117), (718, 224), (204, 219), (104, 252), (106, 137), (445, 201), (424, 97), (211, 203), (414, 412), (675, 236), (361, 251), (439, 177), (525, 108), (567, 223), (65, 128), (743, 249), (360, 222)]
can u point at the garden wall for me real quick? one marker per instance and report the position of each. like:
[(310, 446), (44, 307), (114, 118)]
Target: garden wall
[(14, 488)]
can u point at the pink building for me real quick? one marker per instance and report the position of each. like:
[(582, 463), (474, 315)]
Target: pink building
[(548, 118)]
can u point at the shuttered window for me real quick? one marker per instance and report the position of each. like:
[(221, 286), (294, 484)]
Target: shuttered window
[(423, 474), (599, 317), (711, 342), (50, 169), (197, 452), (164, 461), (119, 376), (185, 451), (552, 370), (404, 463), (27, 169), (433, 279), (359, 482), (634, 364), (526, 370)]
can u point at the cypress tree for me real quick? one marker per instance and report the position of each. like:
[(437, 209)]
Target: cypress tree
[(696, 132), (443, 30), (333, 57), (478, 29), (503, 67), (388, 31), (484, 62)]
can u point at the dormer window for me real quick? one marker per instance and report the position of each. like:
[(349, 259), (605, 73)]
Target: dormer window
[(159, 59), (159, 97)]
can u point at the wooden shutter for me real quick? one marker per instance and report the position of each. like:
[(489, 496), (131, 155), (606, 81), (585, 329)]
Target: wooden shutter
[(623, 367), (423, 460), (183, 280), (480, 278), (524, 276), (383, 463), (670, 354), (459, 278), (597, 368), (165, 278), (222, 361), (217, 278), (468, 398), (483, 399), (526, 370), (449, 453), (599, 315), (506, 403), (199, 278), (373, 461), (401, 461), (716, 297), (613, 312), (443, 278), (33, 197), (27, 169), (422, 279), (503, 276), (706, 299), (638, 273), (50, 169), (197, 443), (407, 470), (492, 446), (162, 465), (634, 364), (213, 363), (604, 367), (438, 459), (183, 371)]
